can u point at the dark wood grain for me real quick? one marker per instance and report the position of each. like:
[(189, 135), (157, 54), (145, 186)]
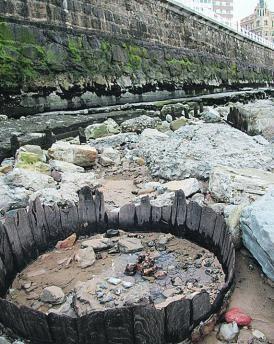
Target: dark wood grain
[(3, 279), (143, 212), (86, 212), (193, 219), (207, 223), (36, 325), (69, 219), (200, 307), (119, 326), (156, 214), (177, 321), (10, 317), (63, 329), (100, 208), (53, 220), (127, 215), (91, 329), (149, 325), (6, 253), (113, 218)]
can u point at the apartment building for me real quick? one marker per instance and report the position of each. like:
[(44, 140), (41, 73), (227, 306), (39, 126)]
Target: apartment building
[(224, 8), (261, 22)]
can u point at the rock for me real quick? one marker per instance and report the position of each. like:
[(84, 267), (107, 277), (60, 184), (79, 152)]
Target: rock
[(211, 116), (235, 186), (85, 257), (164, 127), (115, 140), (190, 186), (178, 123), (165, 238), (99, 244), (238, 316), (3, 118), (110, 233), (114, 281), (140, 123), (127, 285), (32, 158), (232, 215), (110, 156), (198, 198), (175, 110), (95, 131), (165, 199), (194, 150), (169, 118), (245, 337), (4, 340), (257, 225), (130, 245), (66, 308), (53, 295), (63, 166), (29, 180), (228, 331), (81, 155), (67, 243), (84, 301), (259, 335), (254, 118), (12, 197), (153, 134)]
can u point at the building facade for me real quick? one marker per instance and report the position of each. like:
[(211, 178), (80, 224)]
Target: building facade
[(224, 8), (261, 22)]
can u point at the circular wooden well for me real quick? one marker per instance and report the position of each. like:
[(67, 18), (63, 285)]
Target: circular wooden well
[(27, 233)]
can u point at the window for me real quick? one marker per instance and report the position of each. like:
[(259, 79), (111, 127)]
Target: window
[(265, 22)]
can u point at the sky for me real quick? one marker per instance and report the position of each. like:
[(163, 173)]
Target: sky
[(244, 8)]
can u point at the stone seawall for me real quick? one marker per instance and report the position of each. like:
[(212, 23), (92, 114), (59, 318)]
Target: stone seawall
[(64, 54)]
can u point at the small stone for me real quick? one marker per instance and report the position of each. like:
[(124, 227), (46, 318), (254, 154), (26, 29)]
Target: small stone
[(177, 282), (169, 292), (237, 315), (106, 299), (258, 335), (114, 249), (160, 274), (130, 245), (228, 331), (67, 243), (97, 244), (53, 295), (151, 244), (110, 233), (114, 281), (85, 257), (127, 285), (165, 238), (169, 118), (131, 269)]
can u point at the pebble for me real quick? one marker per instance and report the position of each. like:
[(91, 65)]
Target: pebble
[(127, 285), (228, 331), (53, 295), (258, 335), (110, 233), (114, 281)]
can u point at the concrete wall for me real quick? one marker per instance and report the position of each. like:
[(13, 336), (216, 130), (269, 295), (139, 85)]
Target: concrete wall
[(113, 47)]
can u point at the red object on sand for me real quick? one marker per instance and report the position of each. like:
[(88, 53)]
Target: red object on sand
[(237, 315)]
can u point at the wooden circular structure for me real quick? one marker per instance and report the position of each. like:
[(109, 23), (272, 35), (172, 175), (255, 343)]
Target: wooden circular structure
[(27, 233)]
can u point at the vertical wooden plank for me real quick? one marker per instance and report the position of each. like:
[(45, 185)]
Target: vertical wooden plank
[(63, 329), (166, 215), (100, 208), (143, 212), (11, 230), (207, 224), (200, 307), (69, 219), (127, 215), (113, 218), (177, 321), (3, 279), (149, 325), (193, 218), (218, 230), (36, 325), (10, 317), (91, 328), (53, 220), (38, 224), (25, 235), (119, 326), (178, 209), (156, 214), (86, 211), (6, 253)]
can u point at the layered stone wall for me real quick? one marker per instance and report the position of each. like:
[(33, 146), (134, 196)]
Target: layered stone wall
[(72, 54)]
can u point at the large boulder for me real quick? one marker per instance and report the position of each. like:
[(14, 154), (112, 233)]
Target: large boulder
[(140, 123), (33, 158), (95, 131), (234, 186), (194, 150), (254, 118), (257, 224), (81, 155), (115, 140)]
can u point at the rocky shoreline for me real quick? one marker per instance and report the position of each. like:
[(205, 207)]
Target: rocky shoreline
[(156, 152)]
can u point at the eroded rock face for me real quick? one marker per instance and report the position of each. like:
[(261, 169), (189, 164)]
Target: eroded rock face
[(257, 224), (194, 150), (140, 123), (235, 186), (81, 155)]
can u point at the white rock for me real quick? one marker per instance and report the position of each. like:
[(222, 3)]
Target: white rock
[(258, 335), (110, 156), (257, 225), (169, 118), (153, 134), (235, 186), (85, 257), (63, 166), (138, 124), (194, 150), (190, 186), (130, 245), (98, 244), (127, 285), (228, 331), (114, 281), (211, 116), (53, 295), (81, 155)]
